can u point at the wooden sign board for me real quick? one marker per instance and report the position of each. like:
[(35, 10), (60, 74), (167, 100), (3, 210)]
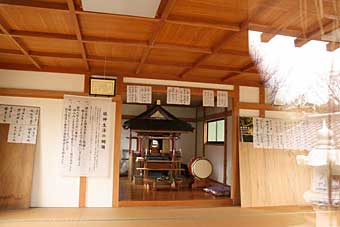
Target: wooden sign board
[(16, 171)]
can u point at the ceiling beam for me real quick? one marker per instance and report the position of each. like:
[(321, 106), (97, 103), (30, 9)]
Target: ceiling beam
[(76, 26), (4, 28), (270, 29), (127, 42), (266, 37), (332, 46), (216, 48), (165, 14), (98, 71), (93, 58), (112, 41), (204, 24), (314, 34), (243, 69)]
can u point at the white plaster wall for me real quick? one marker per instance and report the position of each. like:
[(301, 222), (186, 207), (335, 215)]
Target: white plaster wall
[(181, 112), (41, 80), (249, 113), (249, 94), (284, 115), (49, 189), (99, 189), (200, 128), (215, 154)]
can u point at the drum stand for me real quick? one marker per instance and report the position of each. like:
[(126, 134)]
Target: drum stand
[(200, 183)]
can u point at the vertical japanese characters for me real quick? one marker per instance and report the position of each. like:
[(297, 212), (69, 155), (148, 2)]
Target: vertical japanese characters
[(23, 121), (87, 136)]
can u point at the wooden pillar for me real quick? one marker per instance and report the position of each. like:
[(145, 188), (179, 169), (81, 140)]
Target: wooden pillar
[(130, 156), (225, 157), (262, 101), (235, 188), (205, 136), (173, 147), (196, 132), (117, 141)]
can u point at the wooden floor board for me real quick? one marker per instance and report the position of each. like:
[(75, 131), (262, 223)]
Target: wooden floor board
[(136, 195), (170, 216)]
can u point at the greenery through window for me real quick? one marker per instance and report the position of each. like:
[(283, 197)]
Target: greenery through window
[(215, 131)]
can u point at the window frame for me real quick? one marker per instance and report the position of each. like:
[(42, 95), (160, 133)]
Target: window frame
[(207, 131)]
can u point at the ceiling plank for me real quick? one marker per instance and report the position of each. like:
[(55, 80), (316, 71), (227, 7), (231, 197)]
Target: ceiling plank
[(35, 4), (94, 58), (165, 14), (71, 8), (216, 48), (127, 42), (4, 28), (64, 8)]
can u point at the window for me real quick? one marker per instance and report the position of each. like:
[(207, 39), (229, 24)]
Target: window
[(215, 131)]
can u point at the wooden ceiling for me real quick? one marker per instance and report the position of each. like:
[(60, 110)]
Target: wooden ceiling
[(195, 40)]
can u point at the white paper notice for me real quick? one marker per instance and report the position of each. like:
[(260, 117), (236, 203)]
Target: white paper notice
[(222, 99), (208, 98), (87, 136), (139, 94), (178, 96), (23, 122), (284, 134)]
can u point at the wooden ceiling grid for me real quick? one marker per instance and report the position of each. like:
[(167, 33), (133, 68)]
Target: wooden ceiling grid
[(202, 40)]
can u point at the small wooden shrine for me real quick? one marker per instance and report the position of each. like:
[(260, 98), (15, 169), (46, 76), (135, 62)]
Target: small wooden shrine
[(156, 160)]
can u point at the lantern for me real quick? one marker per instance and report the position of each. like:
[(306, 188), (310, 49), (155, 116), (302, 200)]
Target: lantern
[(324, 159)]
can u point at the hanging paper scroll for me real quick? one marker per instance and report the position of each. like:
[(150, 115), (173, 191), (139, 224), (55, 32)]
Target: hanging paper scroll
[(23, 122), (179, 96), (222, 99), (139, 94), (87, 136), (208, 98)]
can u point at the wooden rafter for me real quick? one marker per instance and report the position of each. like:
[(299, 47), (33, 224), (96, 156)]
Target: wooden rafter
[(113, 73), (113, 41), (271, 30), (21, 47), (332, 46), (93, 58), (244, 69), (314, 34), (204, 24), (216, 48), (165, 14), (72, 10), (266, 37)]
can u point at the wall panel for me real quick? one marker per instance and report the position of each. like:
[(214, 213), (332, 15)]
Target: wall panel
[(271, 177)]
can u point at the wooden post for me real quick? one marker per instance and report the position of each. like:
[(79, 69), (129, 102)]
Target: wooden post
[(235, 188), (262, 101), (130, 156), (225, 158), (205, 136), (196, 132), (117, 141)]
